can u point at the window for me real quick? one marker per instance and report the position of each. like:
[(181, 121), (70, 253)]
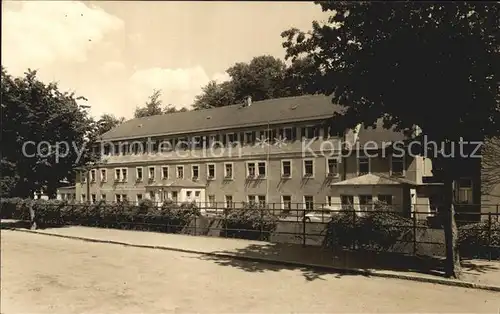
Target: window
[(211, 171), (151, 173), (329, 200), (231, 139), (104, 175), (93, 198), (139, 198), (251, 169), (188, 194), (365, 202), (83, 177), (211, 200), (118, 173), (249, 138), (387, 199), (174, 196), (152, 195), (103, 197), (308, 202), (347, 202), (251, 199), (118, 198), (92, 175), (229, 201), (138, 173), (197, 193), (164, 172), (286, 169), (397, 166), (124, 175), (332, 169), (363, 165), (84, 198), (309, 132), (286, 202), (463, 191), (262, 200), (287, 134), (180, 172), (196, 142), (195, 172), (262, 169), (308, 168), (228, 170)]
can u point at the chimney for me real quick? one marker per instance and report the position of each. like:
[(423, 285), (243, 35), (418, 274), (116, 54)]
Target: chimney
[(249, 101)]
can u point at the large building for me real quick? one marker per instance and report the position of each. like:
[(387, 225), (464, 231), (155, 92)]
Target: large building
[(280, 151)]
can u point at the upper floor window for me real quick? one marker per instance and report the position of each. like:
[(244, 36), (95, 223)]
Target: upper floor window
[(151, 173), (195, 172), (180, 172), (310, 132), (287, 134), (138, 173), (92, 175), (104, 175), (228, 170), (332, 167), (251, 169), (262, 168), (249, 137), (463, 191), (308, 167), (211, 171), (397, 166), (286, 168), (164, 172), (363, 165)]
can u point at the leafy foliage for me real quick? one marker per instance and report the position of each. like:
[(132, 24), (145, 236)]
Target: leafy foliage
[(154, 107), (250, 221), (34, 112), (490, 164), (476, 239), (411, 63), (378, 230), (108, 122), (264, 77)]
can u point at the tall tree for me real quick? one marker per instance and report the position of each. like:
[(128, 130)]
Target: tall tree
[(215, 95), (108, 122), (44, 135), (490, 165), (434, 65), (152, 107)]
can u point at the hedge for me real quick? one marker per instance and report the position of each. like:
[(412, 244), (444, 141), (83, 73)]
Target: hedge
[(480, 240), (249, 222)]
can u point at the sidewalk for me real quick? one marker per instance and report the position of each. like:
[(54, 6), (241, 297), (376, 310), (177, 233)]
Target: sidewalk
[(230, 252)]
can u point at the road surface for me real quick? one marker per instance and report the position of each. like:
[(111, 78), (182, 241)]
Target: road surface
[(43, 274)]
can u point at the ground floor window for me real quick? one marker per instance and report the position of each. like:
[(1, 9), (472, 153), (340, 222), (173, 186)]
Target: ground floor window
[(308, 202), (286, 201), (365, 202), (347, 201), (385, 198)]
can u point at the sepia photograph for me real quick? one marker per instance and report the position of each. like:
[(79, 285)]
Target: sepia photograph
[(250, 157)]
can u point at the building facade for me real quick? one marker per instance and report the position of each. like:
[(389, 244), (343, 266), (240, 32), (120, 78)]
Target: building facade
[(280, 151)]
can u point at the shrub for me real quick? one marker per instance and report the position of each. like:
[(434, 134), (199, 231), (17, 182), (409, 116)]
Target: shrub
[(378, 230), (251, 221), (479, 240)]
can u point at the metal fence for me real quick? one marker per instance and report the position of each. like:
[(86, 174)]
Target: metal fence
[(354, 227)]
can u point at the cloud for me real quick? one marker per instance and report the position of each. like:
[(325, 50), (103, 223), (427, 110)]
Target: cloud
[(112, 67), (179, 86), (37, 34)]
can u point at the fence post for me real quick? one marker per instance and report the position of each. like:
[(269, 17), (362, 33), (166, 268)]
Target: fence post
[(32, 216), (354, 228), (303, 227), (414, 232), (261, 236), (489, 236), (225, 221)]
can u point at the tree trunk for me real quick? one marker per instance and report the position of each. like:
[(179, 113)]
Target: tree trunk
[(452, 265), (32, 217)]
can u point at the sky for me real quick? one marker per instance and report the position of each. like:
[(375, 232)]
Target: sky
[(116, 53)]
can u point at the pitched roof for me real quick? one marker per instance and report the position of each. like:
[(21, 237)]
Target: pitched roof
[(279, 110), (374, 179)]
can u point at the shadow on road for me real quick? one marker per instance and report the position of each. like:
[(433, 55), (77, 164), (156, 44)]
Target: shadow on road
[(281, 256)]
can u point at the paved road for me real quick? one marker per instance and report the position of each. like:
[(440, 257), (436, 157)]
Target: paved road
[(43, 274)]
